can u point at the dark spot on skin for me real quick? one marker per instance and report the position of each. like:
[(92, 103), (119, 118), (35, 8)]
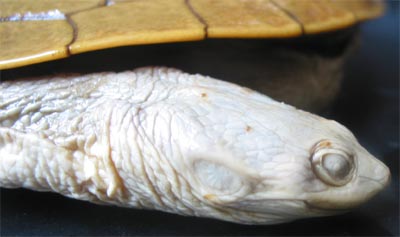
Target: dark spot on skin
[(209, 196), (248, 128), (321, 144), (203, 95), (325, 144)]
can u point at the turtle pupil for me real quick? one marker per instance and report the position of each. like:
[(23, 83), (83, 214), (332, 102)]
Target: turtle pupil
[(336, 165)]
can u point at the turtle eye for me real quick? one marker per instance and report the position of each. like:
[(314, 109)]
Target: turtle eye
[(336, 165), (332, 166)]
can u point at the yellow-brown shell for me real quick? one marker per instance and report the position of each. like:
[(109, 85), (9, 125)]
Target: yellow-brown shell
[(33, 31)]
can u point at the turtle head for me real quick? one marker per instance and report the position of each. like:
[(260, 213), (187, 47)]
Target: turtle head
[(326, 174), (250, 159), (347, 174), (279, 165)]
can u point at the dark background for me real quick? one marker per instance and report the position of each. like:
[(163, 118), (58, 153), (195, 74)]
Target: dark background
[(368, 104)]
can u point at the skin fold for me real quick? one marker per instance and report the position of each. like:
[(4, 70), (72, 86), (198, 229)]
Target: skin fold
[(158, 138)]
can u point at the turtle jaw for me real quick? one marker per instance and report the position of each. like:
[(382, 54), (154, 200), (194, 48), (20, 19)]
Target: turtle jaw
[(344, 203)]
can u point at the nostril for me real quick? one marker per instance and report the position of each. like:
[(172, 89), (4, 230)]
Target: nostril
[(386, 180), (382, 174)]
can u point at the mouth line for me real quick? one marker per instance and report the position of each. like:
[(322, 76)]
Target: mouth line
[(313, 207), (333, 210), (381, 182)]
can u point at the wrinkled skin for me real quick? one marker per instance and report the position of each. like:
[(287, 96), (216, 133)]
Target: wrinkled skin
[(161, 139)]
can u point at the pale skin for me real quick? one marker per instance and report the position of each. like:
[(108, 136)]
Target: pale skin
[(162, 139)]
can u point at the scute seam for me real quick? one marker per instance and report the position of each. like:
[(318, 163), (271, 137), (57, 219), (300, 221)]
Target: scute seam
[(198, 16), (291, 15)]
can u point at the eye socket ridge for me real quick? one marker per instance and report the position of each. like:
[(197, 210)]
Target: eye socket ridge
[(331, 165)]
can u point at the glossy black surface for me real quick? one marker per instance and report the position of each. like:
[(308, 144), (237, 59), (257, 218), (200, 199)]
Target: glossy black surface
[(368, 104)]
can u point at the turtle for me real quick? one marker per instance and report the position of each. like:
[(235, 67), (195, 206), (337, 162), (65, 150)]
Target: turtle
[(159, 138), (72, 127), (307, 42)]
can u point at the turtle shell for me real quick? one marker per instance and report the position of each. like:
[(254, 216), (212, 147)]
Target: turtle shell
[(34, 31)]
